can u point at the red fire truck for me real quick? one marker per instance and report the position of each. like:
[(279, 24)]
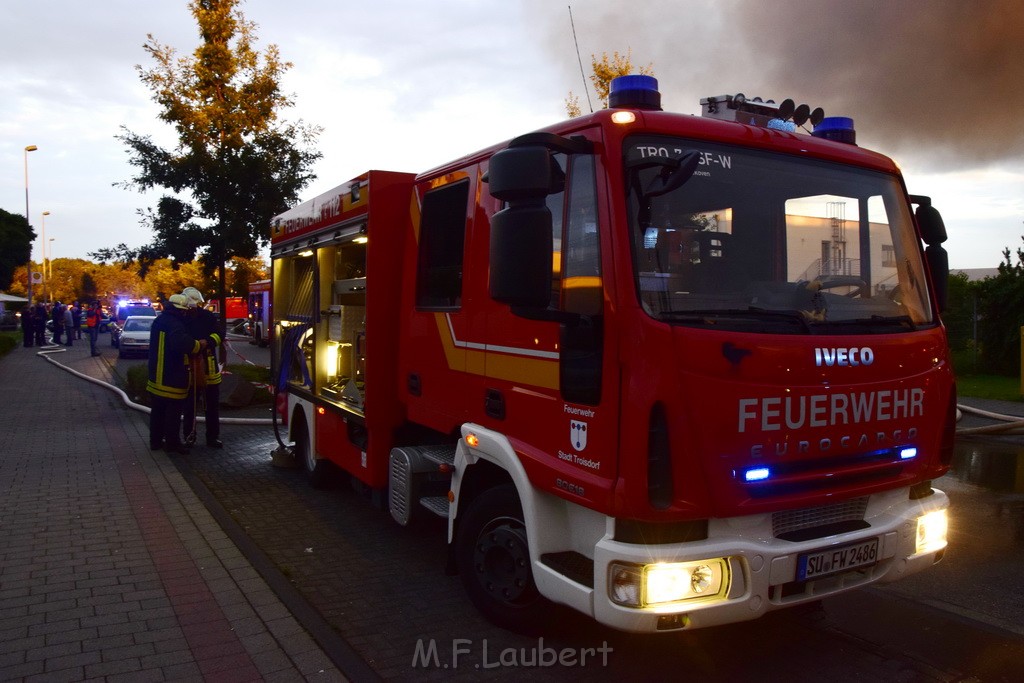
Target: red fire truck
[(259, 312), (672, 371), (237, 309)]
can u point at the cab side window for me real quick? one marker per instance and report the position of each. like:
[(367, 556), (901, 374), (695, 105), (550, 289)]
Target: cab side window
[(442, 237), (581, 248)]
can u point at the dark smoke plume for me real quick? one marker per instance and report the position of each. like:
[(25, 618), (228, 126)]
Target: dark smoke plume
[(928, 79)]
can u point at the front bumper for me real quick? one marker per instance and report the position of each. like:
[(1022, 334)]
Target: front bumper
[(763, 572)]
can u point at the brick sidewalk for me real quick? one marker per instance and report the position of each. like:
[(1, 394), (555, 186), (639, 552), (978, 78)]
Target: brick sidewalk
[(110, 567)]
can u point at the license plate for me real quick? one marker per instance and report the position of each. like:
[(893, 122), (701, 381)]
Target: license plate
[(835, 560)]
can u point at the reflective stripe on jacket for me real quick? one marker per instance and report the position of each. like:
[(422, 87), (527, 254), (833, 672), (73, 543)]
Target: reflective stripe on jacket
[(169, 347)]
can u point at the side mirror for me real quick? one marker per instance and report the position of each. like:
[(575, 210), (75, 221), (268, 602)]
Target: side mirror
[(521, 242), (933, 229), (522, 247), (933, 232), (938, 264), (523, 173), (521, 254)]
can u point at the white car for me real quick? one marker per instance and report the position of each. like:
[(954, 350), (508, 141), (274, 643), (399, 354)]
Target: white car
[(134, 337)]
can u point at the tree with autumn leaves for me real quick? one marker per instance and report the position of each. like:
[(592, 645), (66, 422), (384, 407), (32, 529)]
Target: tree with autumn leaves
[(605, 70), (76, 279), (237, 163)]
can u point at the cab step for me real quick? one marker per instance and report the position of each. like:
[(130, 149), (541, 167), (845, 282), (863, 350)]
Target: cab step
[(437, 504), (417, 470), (443, 454)]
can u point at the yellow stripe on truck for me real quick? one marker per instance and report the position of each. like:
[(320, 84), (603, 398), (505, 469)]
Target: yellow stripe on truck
[(513, 365)]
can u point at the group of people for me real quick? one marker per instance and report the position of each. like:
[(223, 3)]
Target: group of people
[(65, 320), (183, 373), (66, 323)]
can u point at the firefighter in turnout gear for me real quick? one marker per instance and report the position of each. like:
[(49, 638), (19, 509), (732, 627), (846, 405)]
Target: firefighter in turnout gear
[(170, 346), (205, 387)]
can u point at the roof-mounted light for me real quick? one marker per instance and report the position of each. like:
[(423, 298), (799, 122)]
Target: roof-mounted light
[(787, 116), (838, 128), (635, 91)]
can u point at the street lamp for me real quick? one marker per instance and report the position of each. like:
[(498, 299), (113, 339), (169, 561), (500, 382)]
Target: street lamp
[(49, 275), (29, 148), (46, 277)]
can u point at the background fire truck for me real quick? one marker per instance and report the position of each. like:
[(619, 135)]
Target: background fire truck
[(237, 309), (259, 312), (671, 371)]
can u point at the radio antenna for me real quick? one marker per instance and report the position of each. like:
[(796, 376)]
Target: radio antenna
[(580, 60)]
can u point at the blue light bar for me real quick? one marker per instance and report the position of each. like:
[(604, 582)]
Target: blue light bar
[(838, 128), (757, 474), (908, 453), (635, 91)]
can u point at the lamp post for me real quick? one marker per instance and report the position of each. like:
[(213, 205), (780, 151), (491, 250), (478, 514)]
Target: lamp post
[(46, 277), (29, 148), (49, 272)]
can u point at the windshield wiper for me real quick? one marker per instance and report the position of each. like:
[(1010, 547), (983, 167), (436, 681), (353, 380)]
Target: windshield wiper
[(877, 320), (707, 316)]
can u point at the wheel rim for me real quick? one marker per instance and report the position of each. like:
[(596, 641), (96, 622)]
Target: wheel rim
[(501, 559)]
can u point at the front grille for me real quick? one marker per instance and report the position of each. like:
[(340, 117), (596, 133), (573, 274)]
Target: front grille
[(790, 521)]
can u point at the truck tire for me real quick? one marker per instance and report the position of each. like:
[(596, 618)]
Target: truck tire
[(316, 469), (493, 558)]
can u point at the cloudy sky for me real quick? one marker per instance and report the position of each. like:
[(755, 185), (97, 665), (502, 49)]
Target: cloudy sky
[(400, 85)]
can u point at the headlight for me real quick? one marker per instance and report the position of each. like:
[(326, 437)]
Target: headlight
[(931, 531), (667, 582)]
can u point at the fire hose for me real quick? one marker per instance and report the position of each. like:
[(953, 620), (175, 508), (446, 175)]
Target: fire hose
[(54, 348)]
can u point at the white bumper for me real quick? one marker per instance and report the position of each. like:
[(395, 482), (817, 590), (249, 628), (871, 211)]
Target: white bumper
[(763, 569)]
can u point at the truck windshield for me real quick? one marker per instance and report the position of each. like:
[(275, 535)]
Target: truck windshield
[(754, 241)]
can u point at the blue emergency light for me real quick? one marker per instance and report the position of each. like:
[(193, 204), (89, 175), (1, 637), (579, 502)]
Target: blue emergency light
[(757, 474), (635, 91), (838, 128)]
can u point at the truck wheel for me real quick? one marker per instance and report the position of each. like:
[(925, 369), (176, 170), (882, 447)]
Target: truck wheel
[(493, 558), (316, 469)]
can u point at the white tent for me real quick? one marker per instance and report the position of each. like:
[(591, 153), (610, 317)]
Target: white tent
[(8, 304)]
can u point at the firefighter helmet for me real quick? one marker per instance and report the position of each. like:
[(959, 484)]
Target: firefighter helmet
[(194, 296)]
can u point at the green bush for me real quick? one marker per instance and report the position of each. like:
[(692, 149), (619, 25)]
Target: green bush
[(135, 383), (8, 342), (256, 375), (1001, 315), (252, 373), (995, 387), (138, 374)]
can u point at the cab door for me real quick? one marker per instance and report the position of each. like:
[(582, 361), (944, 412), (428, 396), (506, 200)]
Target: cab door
[(562, 397)]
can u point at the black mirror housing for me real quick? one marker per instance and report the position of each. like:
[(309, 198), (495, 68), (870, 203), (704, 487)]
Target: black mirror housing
[(929, 220), (521, 255), (522, 173), (938, 264)]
